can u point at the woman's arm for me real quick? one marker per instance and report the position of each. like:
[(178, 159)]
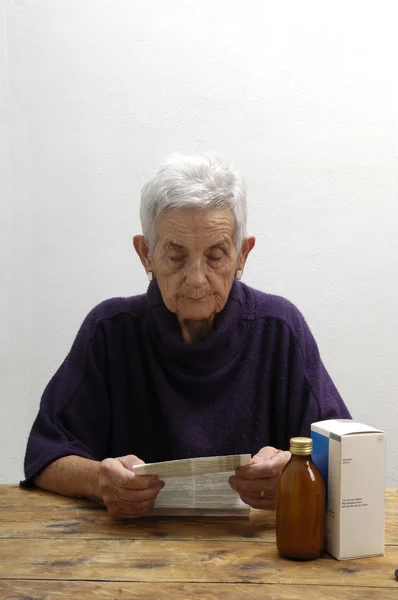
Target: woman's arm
[(112, 481), (71, 476)]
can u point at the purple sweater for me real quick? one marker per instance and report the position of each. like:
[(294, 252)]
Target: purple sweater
[(130, 385)]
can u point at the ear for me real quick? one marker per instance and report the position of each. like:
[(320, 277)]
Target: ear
[(247, 246), (142, 249)]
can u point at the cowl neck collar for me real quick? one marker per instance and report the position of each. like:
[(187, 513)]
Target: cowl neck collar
[(209, 354)]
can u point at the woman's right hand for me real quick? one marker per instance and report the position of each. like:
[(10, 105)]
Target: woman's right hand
[(126, 494)]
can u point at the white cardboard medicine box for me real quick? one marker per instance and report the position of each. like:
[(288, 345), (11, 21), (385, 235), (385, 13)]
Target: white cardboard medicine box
[(352, 459)]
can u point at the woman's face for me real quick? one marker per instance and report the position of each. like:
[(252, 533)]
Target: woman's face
[(194, 260)]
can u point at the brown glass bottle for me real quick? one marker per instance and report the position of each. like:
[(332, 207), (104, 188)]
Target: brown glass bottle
[(300, 515)]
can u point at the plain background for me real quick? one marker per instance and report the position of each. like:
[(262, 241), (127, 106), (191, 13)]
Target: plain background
[(302, 97)]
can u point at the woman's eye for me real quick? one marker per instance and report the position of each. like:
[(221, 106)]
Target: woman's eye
[(215, 258), (176, 259)]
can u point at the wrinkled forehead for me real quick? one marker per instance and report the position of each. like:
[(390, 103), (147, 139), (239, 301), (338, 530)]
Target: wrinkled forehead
[(195, 228)]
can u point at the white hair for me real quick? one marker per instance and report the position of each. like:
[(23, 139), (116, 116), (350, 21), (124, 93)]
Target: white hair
[(203, 182)]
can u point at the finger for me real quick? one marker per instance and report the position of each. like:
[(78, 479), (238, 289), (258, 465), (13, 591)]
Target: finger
[(149, 494), (144, 511), (266, 452), (122, 512), (261, 503), (134, 507), (253, 487), (120, 477), (127, 505), (143, 482), (132, 497), (130, 460), (264, 468)]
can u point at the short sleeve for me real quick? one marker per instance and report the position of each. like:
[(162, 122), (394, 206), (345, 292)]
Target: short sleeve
[(303, 392), (320, 399), (74, 414)]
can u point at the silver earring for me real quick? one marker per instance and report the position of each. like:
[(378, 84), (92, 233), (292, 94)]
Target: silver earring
[(238, 274), (150, 275)]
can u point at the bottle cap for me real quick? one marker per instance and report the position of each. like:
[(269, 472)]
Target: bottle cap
[(301, 446)]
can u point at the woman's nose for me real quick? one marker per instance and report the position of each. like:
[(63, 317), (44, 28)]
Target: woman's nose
[(196, 274)]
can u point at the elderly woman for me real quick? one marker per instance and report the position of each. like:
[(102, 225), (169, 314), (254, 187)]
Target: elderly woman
[(200, 365)]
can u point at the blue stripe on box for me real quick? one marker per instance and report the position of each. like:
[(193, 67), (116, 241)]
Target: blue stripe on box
[(320, 455)]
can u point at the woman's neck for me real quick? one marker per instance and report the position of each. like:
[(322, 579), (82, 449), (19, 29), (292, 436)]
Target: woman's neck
[(193, 330)]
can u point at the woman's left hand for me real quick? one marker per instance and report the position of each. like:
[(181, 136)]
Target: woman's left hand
[(257, 483)]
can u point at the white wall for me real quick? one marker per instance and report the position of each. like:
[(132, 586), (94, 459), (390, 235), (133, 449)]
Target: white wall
[(301, 96)]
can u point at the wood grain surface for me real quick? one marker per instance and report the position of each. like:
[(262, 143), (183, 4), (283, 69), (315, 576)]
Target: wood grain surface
[(61, 548), (189, 561), (104, 590), (35, 513)]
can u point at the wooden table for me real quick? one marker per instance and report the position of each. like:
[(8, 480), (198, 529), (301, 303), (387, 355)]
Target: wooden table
[(61, 548)]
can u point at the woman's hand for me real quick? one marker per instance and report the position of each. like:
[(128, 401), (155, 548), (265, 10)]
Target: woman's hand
[(126, 494), (257, 483)]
